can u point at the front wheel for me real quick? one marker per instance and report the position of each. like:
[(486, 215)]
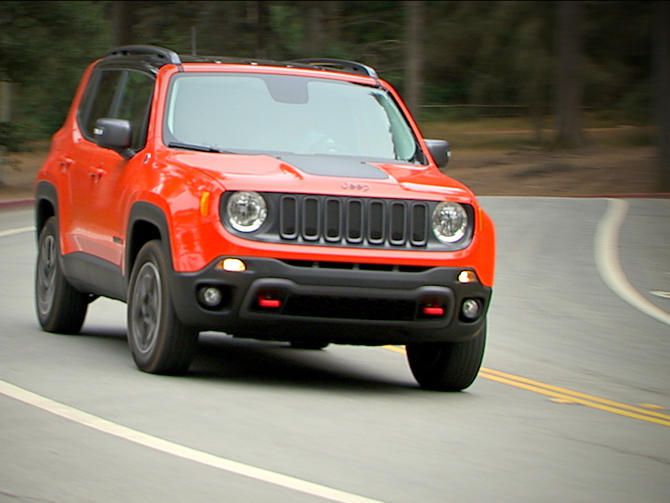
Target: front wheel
[(447, 366), (159, 342)]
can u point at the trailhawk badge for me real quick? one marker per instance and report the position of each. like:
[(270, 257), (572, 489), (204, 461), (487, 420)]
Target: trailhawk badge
[(355, 186)]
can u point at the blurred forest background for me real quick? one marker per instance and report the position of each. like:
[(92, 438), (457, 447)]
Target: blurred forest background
[(559, 72)]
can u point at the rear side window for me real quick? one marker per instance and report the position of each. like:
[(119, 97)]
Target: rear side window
[(118, 94)]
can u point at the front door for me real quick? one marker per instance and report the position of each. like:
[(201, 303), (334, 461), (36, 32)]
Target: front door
[(101, 178)]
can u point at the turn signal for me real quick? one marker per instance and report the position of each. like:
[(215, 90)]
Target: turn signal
[(204, 203), (467, 277), (231, 265)]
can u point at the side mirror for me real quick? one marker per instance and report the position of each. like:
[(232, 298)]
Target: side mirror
[(114, 134), (440, 151)]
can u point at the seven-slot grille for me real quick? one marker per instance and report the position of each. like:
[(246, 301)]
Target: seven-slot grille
[(353, 221)]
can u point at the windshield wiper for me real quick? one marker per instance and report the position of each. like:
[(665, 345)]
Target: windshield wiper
[(198, 148)]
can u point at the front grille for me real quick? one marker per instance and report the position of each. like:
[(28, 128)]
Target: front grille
[(353, 221)]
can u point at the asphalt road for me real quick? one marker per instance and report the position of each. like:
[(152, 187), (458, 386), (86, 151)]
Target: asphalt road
[(572, 404)]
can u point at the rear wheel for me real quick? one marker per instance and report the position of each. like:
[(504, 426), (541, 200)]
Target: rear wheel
[(447, 366), (60, 307), (159, 342)]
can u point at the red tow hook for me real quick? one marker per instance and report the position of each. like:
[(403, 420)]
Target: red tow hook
[(432, 310), (268, 303)]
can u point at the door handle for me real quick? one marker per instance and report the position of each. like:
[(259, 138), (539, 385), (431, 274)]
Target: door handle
[(96, 174), (64, 164)]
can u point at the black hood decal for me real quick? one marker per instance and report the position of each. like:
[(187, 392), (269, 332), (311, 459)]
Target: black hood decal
[(328, 165)]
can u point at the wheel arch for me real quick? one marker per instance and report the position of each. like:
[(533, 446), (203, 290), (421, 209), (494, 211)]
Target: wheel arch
[(46, 205), (147, 222)]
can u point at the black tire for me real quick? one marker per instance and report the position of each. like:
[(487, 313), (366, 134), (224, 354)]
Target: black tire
[(447, 366), (60, 307), (159, 342), (313, 345)]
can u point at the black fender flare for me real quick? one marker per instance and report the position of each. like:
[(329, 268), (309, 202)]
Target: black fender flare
[(151, 214), (44, 191)]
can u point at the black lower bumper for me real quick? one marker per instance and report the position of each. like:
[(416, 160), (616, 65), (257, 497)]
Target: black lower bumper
[(277, 300)]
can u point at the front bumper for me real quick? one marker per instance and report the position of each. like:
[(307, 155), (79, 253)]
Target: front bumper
[(339, 303)]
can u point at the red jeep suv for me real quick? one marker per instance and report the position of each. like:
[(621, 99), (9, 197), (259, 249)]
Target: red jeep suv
[(293, 201)]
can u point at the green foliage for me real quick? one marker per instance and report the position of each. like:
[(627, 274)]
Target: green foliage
[(486, 53), (13, 137), (617, 50), (44, 48)]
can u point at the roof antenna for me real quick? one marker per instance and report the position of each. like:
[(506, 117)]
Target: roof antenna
[(193, 41)]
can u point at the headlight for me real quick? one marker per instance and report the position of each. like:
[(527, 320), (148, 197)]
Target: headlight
[(246, 211), (450, 222)]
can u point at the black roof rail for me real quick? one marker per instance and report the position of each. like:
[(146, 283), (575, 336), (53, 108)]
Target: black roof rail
[(165, 55), (338, 64)]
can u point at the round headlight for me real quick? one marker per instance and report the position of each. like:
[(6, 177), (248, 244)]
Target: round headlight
[(246, 211), (450, 222)]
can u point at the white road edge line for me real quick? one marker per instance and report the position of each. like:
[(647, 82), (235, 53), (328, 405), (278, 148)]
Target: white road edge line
[(137, 437), (606, 252), (13, 232)]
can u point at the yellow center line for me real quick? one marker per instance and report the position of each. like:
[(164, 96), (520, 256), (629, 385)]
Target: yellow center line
[(642, 415), (564, 395), (577, 394), (395, 349), (651, 406)]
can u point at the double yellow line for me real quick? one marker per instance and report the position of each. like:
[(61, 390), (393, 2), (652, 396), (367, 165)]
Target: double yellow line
[(568, 396)]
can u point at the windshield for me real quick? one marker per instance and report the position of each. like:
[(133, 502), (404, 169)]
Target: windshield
[(287, 114)]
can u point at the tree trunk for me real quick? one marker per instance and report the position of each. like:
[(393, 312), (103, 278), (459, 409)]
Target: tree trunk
[(414, 11), (661, 82), (262, 27), (333, 21), (313, 26), (5, 123), (568, 103), (534, 61), (122, 23), (220, 23)]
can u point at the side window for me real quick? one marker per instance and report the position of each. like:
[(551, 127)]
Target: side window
[(135, 103), (119, 94), (100, 103)]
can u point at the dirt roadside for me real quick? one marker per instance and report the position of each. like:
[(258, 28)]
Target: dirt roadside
[(591, 171)]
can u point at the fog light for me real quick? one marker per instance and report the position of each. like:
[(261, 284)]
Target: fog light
[(210, 296), (232, 265), (470, 309), (467, 277)]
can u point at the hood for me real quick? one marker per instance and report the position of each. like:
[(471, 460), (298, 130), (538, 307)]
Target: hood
[(322, 174)]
